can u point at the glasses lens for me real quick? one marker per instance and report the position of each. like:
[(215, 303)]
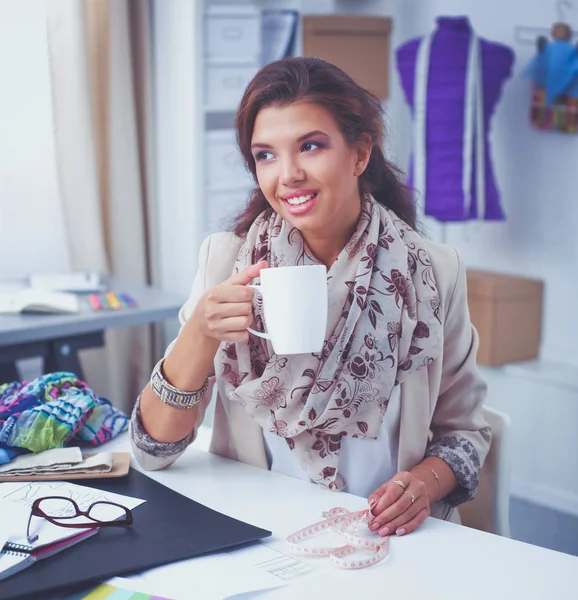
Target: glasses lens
[(57, 508), (103, 512)]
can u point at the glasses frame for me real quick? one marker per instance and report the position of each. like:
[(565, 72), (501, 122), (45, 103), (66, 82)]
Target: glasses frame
[(36, 511)]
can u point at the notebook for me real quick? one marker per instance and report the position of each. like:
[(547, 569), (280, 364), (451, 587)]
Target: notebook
[(38, 301), (15, 557), (16, 554)]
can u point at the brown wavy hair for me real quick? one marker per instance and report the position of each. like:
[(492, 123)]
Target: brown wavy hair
[(356, 111)]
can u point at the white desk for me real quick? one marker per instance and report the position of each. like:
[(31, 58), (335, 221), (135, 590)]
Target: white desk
[(440, 560)]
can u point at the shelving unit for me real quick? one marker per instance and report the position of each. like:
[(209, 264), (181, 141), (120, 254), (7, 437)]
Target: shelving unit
[(232, 55)]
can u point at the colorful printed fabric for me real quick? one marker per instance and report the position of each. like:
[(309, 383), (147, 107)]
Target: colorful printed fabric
[(561, 116), (55, 410)]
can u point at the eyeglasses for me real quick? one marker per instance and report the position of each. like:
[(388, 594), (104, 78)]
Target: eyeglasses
[(59, 510)]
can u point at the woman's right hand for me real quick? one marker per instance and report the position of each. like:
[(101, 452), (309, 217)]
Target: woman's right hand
[(225, 311), (222, 314)]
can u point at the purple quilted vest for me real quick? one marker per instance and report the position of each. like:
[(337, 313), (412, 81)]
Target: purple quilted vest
[(449, 166)]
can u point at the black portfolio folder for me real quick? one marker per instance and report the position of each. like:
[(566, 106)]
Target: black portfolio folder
[(167, 527)]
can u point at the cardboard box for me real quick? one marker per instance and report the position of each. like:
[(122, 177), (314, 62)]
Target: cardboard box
[(359, 45), (507, 312)]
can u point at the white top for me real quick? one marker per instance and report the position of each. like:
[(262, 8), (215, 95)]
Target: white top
[(363, 464)]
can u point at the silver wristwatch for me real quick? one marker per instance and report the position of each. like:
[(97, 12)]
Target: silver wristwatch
[(171, 395)]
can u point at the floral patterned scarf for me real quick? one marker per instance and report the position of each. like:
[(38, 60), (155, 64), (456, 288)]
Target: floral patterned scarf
[(384, 323)]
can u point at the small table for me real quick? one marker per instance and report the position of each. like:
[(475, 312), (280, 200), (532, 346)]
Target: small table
[(58, 338)]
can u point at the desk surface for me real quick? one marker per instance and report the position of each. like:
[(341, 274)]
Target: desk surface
[(440, 560), (153, 305)]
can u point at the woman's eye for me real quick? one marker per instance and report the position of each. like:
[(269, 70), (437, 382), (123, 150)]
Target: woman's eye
[(264, 155), (309, 146)]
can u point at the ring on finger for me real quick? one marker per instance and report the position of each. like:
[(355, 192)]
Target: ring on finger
[(400, 483), (413, 498)]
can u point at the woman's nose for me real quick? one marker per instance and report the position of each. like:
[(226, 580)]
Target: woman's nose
[(291, 171)]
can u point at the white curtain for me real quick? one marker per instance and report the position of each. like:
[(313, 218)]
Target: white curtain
[(101, 82), (32, 231)]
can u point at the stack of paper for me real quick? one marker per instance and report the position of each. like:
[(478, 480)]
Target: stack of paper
[(57, 460)]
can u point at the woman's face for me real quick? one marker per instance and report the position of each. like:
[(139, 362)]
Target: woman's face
[(306, 170)]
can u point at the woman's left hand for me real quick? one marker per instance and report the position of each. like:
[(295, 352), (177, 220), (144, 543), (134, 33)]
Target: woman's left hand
[(399, 506)]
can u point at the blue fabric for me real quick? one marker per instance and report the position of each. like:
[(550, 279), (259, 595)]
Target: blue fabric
[(555, 69), (6, 455)]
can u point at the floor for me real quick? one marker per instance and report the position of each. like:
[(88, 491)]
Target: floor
[(544, 527)]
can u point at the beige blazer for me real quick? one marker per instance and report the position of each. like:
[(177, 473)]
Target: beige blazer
[(443, 400)]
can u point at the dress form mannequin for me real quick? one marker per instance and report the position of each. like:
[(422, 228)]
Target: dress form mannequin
[(453, 173)]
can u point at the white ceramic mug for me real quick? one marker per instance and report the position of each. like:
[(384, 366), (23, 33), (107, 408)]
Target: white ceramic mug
[(295, 308)]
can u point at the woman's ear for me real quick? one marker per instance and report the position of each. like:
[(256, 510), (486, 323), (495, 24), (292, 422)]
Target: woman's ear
[(363, 153)]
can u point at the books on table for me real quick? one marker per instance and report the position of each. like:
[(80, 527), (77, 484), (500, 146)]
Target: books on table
[(32, 300)]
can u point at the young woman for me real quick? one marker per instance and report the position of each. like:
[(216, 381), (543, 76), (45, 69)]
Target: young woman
[(391, 407)]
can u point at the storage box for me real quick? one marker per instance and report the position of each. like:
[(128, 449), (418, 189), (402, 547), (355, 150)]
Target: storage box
[(233, 32), (507, 312), (225, 83), (357, 44)]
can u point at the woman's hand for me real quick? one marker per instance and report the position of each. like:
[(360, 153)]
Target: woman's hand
[(399, 506), (225, 311)]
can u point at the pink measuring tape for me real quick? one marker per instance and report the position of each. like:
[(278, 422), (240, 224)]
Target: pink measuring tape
[(345, 523)]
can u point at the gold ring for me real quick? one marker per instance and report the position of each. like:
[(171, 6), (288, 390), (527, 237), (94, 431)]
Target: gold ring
[(400, 483), (413, 498)]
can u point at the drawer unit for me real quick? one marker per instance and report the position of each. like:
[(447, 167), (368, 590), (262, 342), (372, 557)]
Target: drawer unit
[(225, 84)]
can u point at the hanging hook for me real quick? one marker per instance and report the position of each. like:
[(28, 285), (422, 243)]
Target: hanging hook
[(561, 30), (561, 5)]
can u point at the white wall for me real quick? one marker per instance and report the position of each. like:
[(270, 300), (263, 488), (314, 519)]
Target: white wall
[(537, 175), (535, 170), (32, 234)]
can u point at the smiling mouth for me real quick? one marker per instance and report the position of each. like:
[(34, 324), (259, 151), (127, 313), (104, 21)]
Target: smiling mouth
[(298, 200)]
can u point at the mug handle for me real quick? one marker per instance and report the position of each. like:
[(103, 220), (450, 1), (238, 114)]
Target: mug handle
[(260, 334)]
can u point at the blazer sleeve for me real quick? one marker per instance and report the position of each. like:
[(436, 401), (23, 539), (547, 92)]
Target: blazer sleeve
[(460, 435), (149, 453)]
